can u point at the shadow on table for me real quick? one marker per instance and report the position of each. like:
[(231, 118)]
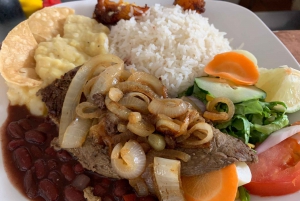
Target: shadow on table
[(281, 20)]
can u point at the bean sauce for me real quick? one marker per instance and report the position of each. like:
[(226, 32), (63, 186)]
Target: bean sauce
[(41, 173)]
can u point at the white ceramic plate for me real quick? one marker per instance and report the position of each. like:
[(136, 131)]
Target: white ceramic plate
[(240, 24)]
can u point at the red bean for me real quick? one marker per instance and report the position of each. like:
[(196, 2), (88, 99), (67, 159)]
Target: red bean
[(105, 182), (67, 171), (108, 198), (44, 127), (99, 190), (50, 151), (52, 164), (72, 194), (30, 185), (12, 145), (15, 130), (36, 151), (78, 169), (22, 158), (81, 182), (55, 177), (40, 168), (122, 187), (25, 124), (64, 156), (35, 137), (48, 190)]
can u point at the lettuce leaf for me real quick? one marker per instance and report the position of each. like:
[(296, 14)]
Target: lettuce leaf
[(254, 120)]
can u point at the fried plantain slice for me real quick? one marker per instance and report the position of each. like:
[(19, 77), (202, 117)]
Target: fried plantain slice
[(197, 5), (109, 13)]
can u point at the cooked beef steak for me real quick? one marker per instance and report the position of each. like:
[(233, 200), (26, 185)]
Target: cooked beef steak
[(223, 150), (92, 157), (220, 152), (54, 94)]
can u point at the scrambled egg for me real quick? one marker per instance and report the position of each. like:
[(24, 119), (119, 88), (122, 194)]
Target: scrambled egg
[(83, 38)]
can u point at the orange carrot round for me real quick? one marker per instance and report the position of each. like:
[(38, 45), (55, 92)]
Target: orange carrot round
[(212, 186), (233, 66)]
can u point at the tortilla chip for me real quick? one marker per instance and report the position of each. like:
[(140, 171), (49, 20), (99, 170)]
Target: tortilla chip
[(48, 22), (17, 62)]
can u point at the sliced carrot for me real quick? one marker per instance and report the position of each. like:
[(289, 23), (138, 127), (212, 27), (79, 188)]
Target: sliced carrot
[(212, 186), (233, 66)]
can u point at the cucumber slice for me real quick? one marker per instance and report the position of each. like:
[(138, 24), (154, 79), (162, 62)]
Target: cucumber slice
[(217, 87)]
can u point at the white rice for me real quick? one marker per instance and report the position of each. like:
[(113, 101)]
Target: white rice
[(169, 43)]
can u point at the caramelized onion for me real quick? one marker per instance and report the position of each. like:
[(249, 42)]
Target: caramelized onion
[(129, 161), (129, 86), (87, 110), (151, 81), (73, 94), (141, 128), (108, 78), (168, 127), (76, 133), (171, 107), (199, 134), (134, 104), (115, 94), (214, 115), (119, 110), (139, 96), (88, 86)]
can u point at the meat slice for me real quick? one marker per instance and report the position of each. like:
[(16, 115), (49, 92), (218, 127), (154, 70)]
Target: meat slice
[(54, 94), (92, 157), (222, 151)]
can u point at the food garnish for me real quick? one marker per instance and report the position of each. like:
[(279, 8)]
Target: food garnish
[(212, 186), (281, 84), (253, 118), (278, 170), (109, 12), (234, 67), (197, 5)]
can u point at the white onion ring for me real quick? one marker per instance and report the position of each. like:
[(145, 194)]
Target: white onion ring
[(76, 133), (73, 94), (87, 110), (129, 161), (116, 108), (277, 137), (134, 104), (172, 107), (199, 134), (108, 78), (151, 81), (129, 86)]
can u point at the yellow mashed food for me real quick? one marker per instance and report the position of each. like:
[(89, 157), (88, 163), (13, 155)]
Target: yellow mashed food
[(83, 38)]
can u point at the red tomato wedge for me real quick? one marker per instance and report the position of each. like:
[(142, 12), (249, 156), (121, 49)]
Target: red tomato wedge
[(278, 170)]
